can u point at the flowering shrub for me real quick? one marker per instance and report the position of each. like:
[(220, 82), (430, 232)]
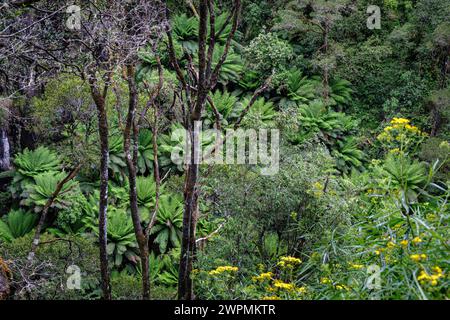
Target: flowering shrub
[(280, 283), (401, 137)]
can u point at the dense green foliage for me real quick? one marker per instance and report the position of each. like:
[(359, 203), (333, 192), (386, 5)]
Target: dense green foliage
[(363, 184)]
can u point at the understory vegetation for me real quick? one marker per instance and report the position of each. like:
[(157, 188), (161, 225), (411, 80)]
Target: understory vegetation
[(359, 206)]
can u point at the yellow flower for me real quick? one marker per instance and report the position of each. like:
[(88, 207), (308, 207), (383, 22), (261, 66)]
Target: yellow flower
[(423, 276), (390, 244), (301, 290), (342, 287), (418, 257), (416, 240), (437, 270), (263, 276), (356, 266), (222, 269), (289, 262), (431, 279), (401, 121), (283, 285), (404, 243), (325, 280), (271, 298)]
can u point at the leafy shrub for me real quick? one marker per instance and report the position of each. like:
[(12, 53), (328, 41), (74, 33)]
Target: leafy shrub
[(225, 104), (267, 52), (296, 89), (145, 151), (293, 204), (16, 224), (122, 246), (36, 195), (116, 156), (262, 112), (185, 30), (168, 224), (31, 163), (146, 192)]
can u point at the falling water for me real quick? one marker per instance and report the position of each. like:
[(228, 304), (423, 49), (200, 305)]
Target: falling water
[(5, 161)]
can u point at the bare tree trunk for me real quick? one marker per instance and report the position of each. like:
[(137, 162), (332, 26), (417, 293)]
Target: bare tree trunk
[(185, 288), (99, 100), (206, 79), (131, 165), (326, 91)]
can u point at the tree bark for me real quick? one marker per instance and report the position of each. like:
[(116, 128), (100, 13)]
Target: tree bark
[(206, 79), (99, 100), (131, 165), (185, 288)]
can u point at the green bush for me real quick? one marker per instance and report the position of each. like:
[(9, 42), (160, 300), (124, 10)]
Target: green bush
[(50, 267)]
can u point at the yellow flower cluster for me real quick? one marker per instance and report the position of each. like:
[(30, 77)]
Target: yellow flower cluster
[(416, 240), (433, 278), (395, 150), (263, 277), (342, 287), (271, 298), (418, 257), (390, 245), (317, 189), (223, 269), (397, 129), (400, 121), (289, 262), (404, 243), (356, 266), (278, 284)]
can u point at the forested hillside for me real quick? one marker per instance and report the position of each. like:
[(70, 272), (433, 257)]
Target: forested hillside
[(224, 149)]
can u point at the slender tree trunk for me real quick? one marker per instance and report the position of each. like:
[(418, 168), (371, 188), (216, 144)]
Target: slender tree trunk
[(131, 165), (206, 79), (99, 100), (326, 92), (185, 288)]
